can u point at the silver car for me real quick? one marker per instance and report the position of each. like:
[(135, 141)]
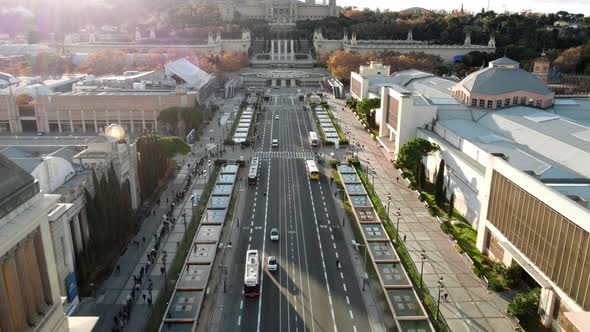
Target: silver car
[(274, 234)]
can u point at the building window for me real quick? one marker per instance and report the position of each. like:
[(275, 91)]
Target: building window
[(482, 103), (474, 102), (538, 103), (515, 101), (506, 102), (523, 100), (490, 104), (498, 103), (531, 101)]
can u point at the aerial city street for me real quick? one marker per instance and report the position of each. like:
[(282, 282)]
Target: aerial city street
[(294, 165)]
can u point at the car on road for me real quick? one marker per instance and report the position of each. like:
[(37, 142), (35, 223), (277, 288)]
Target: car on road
[(276, 116), (272, 264), (275, 142), (274, 234)]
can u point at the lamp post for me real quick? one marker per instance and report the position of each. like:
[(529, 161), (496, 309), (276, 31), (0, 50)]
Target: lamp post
[(440, 287), (368, 165), (373, 181), (388, 202), (422, 258), (397, 225), (209, 167)]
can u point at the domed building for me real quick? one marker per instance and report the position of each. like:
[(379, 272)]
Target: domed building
[(503, 84)]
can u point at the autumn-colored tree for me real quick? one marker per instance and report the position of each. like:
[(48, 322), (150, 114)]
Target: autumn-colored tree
[(323, 58), (232, 61), (342, 63), (569, 59), (104, 62)]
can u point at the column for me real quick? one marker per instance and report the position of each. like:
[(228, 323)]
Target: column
[(292, 50), (38, 243), (279, 47), (33, 270), (17, 313), (25, 289), (71, 121), (5, 307), (272, 49), (77, 236)]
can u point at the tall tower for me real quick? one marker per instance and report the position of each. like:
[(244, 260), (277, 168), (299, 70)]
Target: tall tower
[(541, 68)]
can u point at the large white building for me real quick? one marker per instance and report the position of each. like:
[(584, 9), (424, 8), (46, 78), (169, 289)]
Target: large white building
[(517, 162), (280, 11), (29, 287), (62, 166)]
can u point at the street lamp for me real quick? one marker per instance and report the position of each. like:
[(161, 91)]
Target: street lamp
[(399, 214), (440, 287), (209, 166), (422, 258), (373, 181), (388, 202)]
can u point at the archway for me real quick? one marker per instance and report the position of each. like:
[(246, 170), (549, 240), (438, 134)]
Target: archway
[(25, 105)]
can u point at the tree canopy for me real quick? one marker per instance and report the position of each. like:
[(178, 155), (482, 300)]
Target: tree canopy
[(411, 154)]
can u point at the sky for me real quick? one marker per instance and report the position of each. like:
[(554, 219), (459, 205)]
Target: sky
[(548, 6)]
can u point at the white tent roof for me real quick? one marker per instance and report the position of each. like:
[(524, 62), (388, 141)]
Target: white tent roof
[(191, 74)]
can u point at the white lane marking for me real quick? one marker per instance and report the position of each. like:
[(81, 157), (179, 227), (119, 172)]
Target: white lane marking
[(250, 239), (239, 320), (241, 304), (354, 328), (347, 300), (344, 286), (334, 244), (341, 275), (264, 238), (350, 312), (336, 255)]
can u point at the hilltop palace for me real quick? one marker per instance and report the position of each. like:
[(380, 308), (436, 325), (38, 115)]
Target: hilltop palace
[(280, 11)]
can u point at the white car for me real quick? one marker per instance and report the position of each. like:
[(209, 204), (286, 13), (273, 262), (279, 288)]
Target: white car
[(274, 234), (275, 142), (272, 264), (276, 116)]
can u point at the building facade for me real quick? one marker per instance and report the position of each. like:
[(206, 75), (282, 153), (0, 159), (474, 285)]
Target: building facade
[(516, 167), (280, 11), (447, 53), (29, 291), (87, 105)]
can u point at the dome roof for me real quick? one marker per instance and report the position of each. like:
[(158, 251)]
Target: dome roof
[(115, 131), (503, 76)]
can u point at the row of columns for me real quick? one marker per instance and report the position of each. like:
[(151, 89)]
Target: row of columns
[(24, 285), (116, 118), (282, 82), (283, 51)]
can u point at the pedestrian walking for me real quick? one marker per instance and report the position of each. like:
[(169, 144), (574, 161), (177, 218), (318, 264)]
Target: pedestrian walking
[(149, 300), (118, 268), (143, 239), (404, 238), (446, 295)]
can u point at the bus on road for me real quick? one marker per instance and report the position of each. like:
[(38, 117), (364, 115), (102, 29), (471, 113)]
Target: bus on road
[(312, 170), (253, 171), (252, 274), (313, 138)]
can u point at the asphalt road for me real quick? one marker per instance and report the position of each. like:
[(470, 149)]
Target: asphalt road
[(308, 292)]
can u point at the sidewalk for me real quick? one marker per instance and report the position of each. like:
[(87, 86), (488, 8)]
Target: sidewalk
[(469, 306)]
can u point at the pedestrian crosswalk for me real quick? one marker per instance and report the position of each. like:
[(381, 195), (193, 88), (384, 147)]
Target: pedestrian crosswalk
[(285, 155)]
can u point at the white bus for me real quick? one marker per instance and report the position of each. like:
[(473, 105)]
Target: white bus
[(313, 138), (312, 170), (253, 171), (252, 274)]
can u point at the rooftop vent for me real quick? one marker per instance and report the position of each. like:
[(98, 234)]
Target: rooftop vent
[(580, 200)]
